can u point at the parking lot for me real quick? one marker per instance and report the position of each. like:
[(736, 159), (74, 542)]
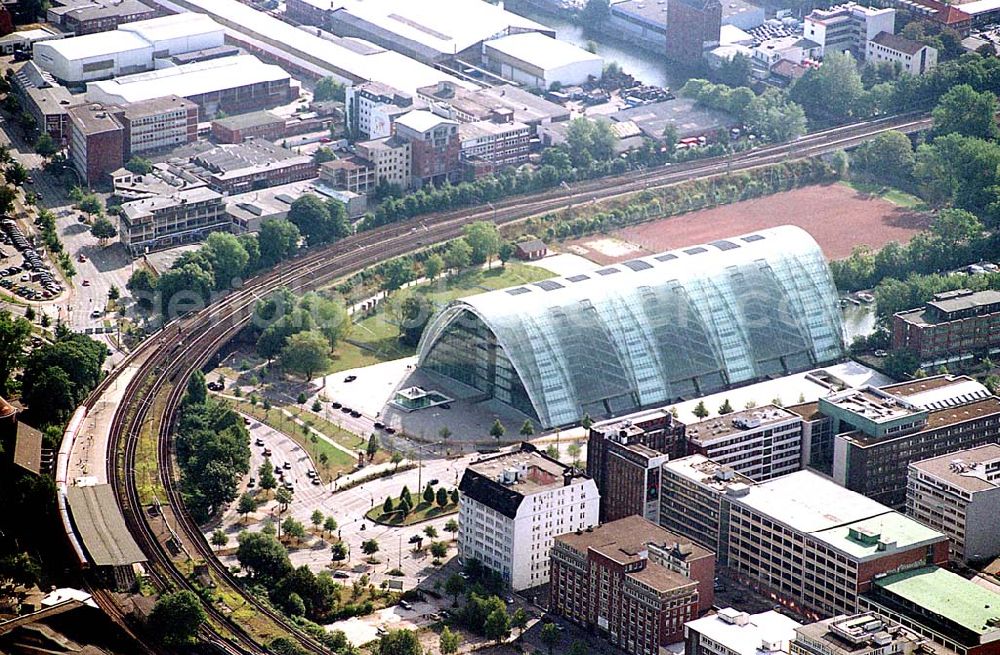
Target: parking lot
[(32, 279)]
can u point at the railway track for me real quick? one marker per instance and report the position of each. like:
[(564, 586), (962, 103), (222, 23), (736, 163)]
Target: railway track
[(166, 360)]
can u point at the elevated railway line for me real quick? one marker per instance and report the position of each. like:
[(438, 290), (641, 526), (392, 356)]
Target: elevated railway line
[(165, 361)]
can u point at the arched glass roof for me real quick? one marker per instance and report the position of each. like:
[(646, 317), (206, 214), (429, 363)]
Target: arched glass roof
[(648, 331)]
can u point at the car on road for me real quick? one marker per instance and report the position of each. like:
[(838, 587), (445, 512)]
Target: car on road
[(336, 405), (355, 413), (288, 485), (350, 378), (343, 575), (346, 410), (86, 283), (379, 425), (258, 442), (286, 465), (267, 452), (405, 605), (317, 481), (81, 258), (95, 314), (433, 481)]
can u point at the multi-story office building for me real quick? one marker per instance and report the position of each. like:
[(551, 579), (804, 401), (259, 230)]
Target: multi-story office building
[(512, 507), (183, 216), (631, 580), (158, 124), (702, 488), (435, 147), (624, 457), (813, 544), (959, 494), (880, 431), (731, 632), (867, 633), (848, 27), (954, 324), (489, 146), (693, 26), (941, 606), (913, 57), (371, 108), (354, 174), (760, 443), (253, 164), (458, 103), (90, 16), (390, 159), (96, 142)]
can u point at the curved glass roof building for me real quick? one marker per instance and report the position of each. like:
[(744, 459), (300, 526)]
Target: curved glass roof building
[(648, 331)]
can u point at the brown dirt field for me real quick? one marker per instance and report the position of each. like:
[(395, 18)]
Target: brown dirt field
[(837, 216)]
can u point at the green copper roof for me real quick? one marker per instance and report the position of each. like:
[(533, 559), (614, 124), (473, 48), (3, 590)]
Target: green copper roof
[(946, 594)]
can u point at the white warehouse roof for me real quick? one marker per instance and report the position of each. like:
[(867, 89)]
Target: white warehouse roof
[(94, 45), (542, 51), (186, 81), (174, 26), (354, 64), (447, 26)]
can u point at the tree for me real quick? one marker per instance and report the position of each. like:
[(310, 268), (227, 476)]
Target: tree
[(428, 494), (453, 494), (177, 617), (527, 428), (91, 204), (725, 408), (700, 410), (45, 145), (901, 364), (372, 447), (578, 648), (441, 497), (433, 266), (550, 636), (431, 532), (454, 586), (323, 155), (497, 626), (139, 166), (229, 259), (7, 197), (219, 538), (831, 91), (278, 239), (142, 286), (586, 422), (14, 333), (338, 551), (399, 642), (458, 255), (452, 527), (306, 353), (519, 621), (317, 518), (963, 110), (506, 252), (284, 497), (406, 496), (589, 140), (497, 430), (247, 503), (439, 549), (102, 230), (387, 505), (484, 240), (328, 88), (293, 528), (413, 312), (448, 642), (369, 547), (594, 13), (888, 157), (16, 173), (266, 475), (735, 72), (329, 525), (317, 221), (396, 272), (444, 433), (114, 293), (573, 450)]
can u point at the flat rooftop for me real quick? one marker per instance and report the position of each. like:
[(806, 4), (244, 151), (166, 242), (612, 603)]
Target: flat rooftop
[(862, 539), (721, 427), (156, 106), (623, 540), (972, 470), (540, 50), (701, 470), (873, 404), (252, 119), (93, 118), (253, 153), (849, 634), (948, 596), (683, 113), (935, 420), (487, 128), (950, 301), (540, 471), (647, 11), (174, 26), (101, 527), (745, 638), (100, 44)]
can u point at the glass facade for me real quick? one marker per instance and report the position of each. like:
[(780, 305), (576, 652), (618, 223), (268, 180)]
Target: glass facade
[(647, 332)]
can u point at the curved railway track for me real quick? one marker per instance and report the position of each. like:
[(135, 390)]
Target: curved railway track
[(166, 360)]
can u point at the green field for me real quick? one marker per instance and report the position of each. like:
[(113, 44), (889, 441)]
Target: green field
[(374, 338), (890, 194)]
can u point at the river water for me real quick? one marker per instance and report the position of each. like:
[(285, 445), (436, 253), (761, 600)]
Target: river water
[(641, 64)]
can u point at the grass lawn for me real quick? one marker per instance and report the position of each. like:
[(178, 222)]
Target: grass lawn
[(374, 338), (890, 194), (338, 460), (422, 512)]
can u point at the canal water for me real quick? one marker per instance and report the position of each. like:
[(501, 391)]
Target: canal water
[(859, 320), (641, 64)]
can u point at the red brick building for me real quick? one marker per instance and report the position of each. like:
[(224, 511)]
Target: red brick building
[(953, 324), (239, 128), (632, 581), (436, 147), (624, 458), (692, 27), (97, 142)]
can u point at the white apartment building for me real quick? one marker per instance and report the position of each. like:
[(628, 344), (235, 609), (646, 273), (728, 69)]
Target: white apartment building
[(371, 108), (848, 27), (732, 632), (760, 443), (512, 507), (959, 494), (159, 123), (496, 143), (914, 57)]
